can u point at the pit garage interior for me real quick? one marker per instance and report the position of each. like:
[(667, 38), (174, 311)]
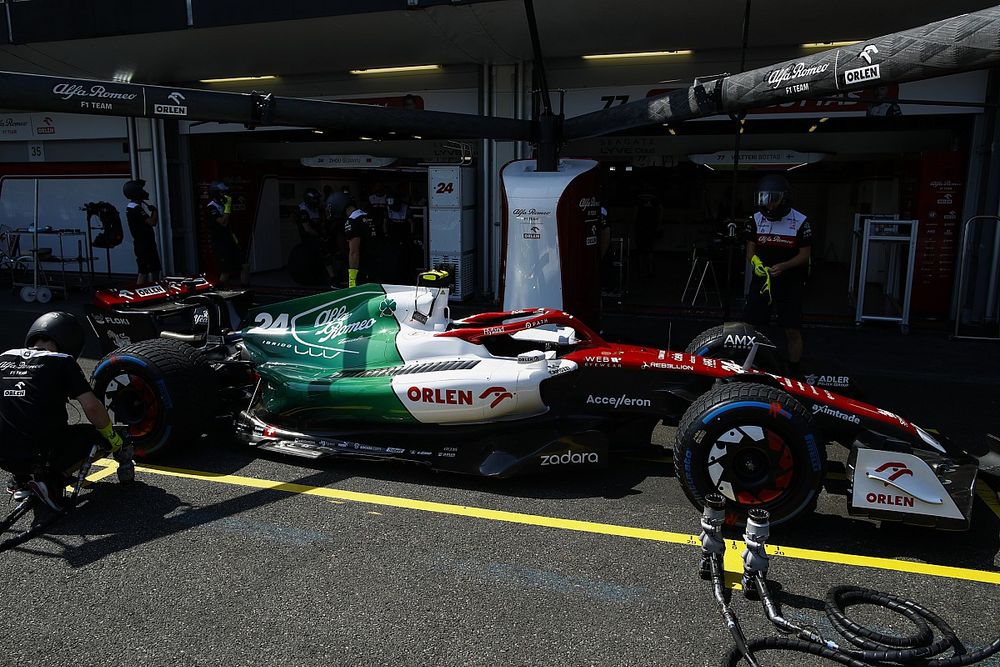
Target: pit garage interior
[(844, 157)]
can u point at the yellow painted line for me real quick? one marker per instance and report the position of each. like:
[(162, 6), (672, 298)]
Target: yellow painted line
[(988, 496), (110, 467), (576, 525)]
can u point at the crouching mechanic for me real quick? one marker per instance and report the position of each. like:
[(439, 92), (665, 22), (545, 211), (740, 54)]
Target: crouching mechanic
[(37, 445), (779, 242)]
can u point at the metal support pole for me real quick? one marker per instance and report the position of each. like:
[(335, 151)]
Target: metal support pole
[(161, 189), (133, 147), (736, 169), (549, 125)]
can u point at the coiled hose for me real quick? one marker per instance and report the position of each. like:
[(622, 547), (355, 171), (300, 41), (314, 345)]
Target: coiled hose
[(873, 647)]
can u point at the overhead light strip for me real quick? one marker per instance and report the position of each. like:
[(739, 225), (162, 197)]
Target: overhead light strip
[(638, 54), (232, 79), (829, 45), (388, 70)]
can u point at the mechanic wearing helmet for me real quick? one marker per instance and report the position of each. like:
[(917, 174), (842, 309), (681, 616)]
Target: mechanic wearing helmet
[(141, 219), (361, 245), (225, 246), (779, 241), (312, 228), (36, 443)]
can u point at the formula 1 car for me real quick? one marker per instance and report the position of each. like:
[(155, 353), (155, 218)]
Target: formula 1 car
[(383, 372)]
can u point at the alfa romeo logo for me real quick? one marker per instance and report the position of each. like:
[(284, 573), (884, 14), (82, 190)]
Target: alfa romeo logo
[(387, 307)]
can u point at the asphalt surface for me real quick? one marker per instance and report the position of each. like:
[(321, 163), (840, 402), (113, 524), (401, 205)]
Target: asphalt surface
[(215, 570)]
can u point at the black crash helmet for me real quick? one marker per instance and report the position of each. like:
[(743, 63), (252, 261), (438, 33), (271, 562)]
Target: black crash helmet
[(62, 328), (216, 188), (773, 196), (312, 197), (135, 190)]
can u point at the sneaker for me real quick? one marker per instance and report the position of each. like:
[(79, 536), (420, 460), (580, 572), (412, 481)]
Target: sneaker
[(15, 483), (17, 487), (41, 491)]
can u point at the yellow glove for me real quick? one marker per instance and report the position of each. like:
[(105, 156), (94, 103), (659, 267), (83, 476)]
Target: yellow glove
[(109, 434), (227, 204), (764, 272), (352, 277)]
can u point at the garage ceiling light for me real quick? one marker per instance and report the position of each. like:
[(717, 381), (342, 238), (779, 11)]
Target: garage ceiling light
[(387, 70), (239, 78), (638, 54), (828, 45)]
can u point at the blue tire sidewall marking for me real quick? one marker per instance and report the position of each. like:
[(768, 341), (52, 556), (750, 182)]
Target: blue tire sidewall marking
[(689, 471), (743, 404), (110, 360), (702, 351)]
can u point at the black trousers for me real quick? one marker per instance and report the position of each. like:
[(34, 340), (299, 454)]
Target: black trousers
[(58, 454)]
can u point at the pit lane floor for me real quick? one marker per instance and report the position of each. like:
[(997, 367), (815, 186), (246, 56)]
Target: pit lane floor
[(232, 564)]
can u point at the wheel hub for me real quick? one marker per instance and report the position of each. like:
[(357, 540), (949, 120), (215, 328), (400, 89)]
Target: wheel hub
[(130, 400), (751, 465)]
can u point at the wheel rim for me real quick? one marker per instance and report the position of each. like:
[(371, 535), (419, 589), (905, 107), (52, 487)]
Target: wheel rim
[(131, 400), (751, 465)]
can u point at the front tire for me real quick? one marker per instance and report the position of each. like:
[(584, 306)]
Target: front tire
[(162, 390), (754, 444)]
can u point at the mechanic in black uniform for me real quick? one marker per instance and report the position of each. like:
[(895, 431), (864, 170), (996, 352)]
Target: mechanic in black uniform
[(779, 242), (224, 244), (313, 230), (36, 443), (362, 241), (141, 219), (399, 256)]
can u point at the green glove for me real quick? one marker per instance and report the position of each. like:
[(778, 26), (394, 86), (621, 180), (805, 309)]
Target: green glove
[(227, 204)]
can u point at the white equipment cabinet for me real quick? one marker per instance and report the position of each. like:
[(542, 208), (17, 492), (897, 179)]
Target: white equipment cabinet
[(899, 240), (451, 211)]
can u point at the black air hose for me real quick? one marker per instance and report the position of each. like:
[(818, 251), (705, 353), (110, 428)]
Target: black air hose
[(874, 648)]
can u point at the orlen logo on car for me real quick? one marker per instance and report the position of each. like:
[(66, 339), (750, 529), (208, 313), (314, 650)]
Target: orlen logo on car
[(440, 396), (898, 470), (496, 395), (499, 395)]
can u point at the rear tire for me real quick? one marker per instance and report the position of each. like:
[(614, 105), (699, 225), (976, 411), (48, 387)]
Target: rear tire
[(754, 444), (163, 390), (733, 341)]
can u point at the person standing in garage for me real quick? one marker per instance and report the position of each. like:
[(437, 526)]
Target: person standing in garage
[(313, 230), (779, 243), (225, 247), (362, 241), (142, 218)]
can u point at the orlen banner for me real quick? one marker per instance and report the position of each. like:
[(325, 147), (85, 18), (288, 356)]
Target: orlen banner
[(550, 255)]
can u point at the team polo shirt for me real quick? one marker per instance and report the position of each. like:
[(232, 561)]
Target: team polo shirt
[(779, 240)]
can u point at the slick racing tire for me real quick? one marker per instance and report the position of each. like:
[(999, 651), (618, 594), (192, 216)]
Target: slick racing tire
[(733, 341), (162, 390), (754, 444)]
